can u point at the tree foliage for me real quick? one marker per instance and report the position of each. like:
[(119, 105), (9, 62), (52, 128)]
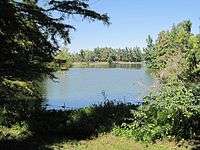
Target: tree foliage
[(106, 54), (62, 60), (175, 52), (29, 34), (174, 110)]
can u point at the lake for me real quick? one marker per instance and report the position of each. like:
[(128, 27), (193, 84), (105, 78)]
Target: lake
[(81, 87)]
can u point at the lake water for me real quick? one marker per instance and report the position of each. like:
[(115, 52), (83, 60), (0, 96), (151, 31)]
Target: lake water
[(81, 87)]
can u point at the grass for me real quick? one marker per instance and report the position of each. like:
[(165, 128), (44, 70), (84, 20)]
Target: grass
[(111, 142)]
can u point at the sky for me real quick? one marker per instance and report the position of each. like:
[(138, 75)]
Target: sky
[(131, 22)]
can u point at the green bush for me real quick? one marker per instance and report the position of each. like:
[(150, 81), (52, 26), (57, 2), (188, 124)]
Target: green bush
[(174, 111), (17, 131)]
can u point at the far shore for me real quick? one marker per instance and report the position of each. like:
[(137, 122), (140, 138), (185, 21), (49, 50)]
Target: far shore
[(91, 64)]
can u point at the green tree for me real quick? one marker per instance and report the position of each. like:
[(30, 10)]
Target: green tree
[(89, 56), (63, 59), (149, 50), (82, 55), (29, 33), (103, 54), (138, 54), (174, 109), (110, 60)]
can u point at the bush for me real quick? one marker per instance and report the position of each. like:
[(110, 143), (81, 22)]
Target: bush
[(17, 131), (174, 111)]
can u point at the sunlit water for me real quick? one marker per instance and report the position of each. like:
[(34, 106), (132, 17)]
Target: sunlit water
[(81, 87)]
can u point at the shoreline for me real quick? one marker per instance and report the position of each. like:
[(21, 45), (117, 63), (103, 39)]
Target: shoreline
[(102, 64)]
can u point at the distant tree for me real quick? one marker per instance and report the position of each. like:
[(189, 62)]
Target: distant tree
[(110, 60), (138, 54), (104, 54), (97, 53), (89, 56), (148, 50), (62, 57), (82, 55)]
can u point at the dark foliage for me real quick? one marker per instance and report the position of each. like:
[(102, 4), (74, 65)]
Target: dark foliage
[(29, 34), (52, 125)]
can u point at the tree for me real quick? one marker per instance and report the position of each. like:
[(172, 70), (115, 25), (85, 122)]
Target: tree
[(29, 33), (174, 108), (63, 58), (110, 60), (103, 54), (148, 50), (82, 55), (138, 54)]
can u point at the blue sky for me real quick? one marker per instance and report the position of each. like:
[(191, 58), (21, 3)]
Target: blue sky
[(131, 22)]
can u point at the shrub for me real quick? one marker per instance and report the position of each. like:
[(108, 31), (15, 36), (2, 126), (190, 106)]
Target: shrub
[(172, 112)]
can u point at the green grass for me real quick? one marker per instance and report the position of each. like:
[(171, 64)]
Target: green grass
[(111, 142)]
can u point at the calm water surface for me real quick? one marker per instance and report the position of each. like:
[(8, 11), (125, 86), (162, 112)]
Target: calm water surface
[(80, 87)]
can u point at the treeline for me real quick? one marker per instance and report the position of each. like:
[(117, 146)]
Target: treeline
[(173, 110), (64, 59), (108, 54)]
